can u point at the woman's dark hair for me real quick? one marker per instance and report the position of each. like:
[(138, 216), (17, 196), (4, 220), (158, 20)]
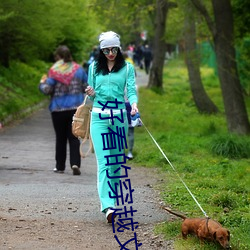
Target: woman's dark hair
[(63, 52), (102, 67)]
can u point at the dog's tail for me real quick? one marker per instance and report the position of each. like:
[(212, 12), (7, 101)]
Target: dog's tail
[(175, 213)]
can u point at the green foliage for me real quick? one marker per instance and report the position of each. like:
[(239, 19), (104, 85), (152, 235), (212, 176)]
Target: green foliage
[(224, 200), (231, 146), (219, 183), (176, 18), (170, 230), (243, 59), (127, 17), (19, 87), (175, 25), (241, 17), (29, 33)]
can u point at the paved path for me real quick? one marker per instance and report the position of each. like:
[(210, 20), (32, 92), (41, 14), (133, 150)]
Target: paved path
[(141, 78), (31, 191)]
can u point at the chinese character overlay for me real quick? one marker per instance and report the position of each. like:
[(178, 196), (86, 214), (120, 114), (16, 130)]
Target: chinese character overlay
[(121, 190)]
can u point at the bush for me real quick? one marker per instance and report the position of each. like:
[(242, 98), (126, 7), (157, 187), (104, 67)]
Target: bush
[(223, 200), (231, 146)]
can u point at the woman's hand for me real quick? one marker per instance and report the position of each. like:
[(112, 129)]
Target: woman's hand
[(90, 91), (134, 109), (43, 79)]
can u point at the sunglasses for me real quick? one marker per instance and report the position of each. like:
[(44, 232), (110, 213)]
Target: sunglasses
[(106, 51)]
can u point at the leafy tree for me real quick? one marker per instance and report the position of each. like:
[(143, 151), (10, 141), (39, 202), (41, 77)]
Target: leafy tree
[(21, 34), (241, 18), (242, 33), (175, 24), (28, 33), (221, 28), (78, 29), (156, 72), (126, 17), (201, 99)]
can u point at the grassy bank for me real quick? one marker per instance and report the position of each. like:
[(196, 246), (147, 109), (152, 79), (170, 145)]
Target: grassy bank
[(212, 163), (19, 89)]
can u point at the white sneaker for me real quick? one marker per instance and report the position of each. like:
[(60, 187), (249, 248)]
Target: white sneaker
[(109, 215), (130, 155), (58, 171), (76, 170)]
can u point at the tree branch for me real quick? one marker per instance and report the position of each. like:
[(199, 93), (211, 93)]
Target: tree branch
[(202, 9)]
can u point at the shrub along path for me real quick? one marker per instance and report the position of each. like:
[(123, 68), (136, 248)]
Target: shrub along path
[(43, 210)]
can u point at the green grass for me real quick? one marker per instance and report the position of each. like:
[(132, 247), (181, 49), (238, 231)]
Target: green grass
[(214, 164), (19, 88)]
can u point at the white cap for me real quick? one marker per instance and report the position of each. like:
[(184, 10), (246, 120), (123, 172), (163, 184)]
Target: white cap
[(109, 39)]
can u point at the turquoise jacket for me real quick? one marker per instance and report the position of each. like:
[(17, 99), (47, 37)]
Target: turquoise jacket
[(113, 86)]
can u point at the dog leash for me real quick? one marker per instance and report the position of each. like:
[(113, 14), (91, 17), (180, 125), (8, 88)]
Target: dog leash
[(174, 170)]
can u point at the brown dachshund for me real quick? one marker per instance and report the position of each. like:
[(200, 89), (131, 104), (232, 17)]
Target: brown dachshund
[(204, 229)]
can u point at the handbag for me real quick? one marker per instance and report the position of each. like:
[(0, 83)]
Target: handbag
[(81, 126)]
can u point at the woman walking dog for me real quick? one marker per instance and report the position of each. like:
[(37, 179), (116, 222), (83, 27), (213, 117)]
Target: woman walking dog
[(108, 78)]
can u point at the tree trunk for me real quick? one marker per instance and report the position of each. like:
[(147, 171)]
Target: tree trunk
[(201, 99), (223, 38), (235, 109), (159, 46)]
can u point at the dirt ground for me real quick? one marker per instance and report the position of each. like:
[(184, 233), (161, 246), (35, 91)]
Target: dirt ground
[(40, 209)]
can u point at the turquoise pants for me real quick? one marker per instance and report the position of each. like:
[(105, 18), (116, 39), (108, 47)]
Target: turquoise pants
[(97, 128)]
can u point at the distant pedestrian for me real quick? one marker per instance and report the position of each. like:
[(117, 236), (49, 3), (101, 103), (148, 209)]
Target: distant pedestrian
[(138, 56), (93, 55), (147, 55), (65, 84)]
